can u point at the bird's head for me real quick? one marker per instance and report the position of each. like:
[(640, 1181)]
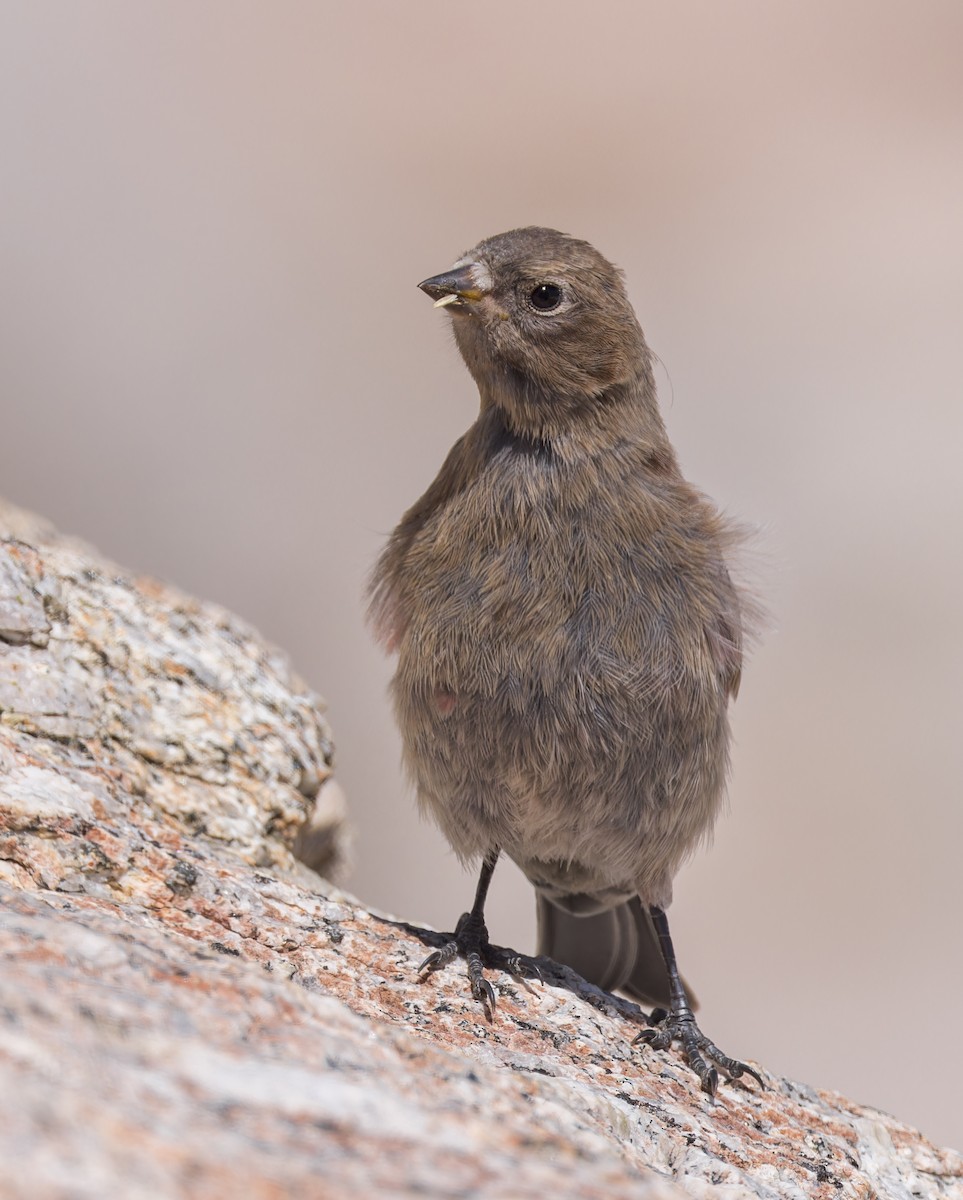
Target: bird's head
[(542, 320)]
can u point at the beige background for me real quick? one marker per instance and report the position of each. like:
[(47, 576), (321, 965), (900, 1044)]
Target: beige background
[(214, 363)]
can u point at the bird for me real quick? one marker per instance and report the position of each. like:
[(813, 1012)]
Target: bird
[(568, 633)]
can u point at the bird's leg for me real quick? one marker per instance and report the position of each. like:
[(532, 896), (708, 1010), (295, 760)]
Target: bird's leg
[(679, 1024), (470, 940)]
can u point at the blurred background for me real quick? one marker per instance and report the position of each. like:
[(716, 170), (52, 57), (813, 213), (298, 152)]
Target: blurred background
[(215, 365)]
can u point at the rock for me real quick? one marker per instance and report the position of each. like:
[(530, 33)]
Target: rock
[(187, 1009), (126, 695)]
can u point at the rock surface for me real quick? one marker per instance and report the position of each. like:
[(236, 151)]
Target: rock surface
[(188, 1010)]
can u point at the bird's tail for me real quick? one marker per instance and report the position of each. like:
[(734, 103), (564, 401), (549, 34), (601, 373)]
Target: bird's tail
[(617, 950)]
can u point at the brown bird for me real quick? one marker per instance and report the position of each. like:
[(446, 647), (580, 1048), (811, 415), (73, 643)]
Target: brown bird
[(567, 629)]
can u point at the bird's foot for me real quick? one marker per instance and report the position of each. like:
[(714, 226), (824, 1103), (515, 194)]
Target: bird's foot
[(470, 941), (700, 1052)]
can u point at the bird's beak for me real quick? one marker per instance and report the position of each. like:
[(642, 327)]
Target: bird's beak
[(456, 286)]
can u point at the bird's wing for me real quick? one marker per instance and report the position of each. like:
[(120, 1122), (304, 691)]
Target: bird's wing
[(387, 606)]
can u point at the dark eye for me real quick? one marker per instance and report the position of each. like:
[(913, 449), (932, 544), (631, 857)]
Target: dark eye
[(545, 297)]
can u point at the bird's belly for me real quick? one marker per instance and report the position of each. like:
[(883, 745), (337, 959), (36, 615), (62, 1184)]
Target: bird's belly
[(561, 737)]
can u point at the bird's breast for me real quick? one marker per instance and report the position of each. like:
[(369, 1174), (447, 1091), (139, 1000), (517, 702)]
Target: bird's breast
[(532, 582)]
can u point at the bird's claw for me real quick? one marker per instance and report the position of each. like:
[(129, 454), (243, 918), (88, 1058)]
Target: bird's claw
[(481, 989), (681, 1027), (519, 966), (470, 940), (439, 958), (522, 970)]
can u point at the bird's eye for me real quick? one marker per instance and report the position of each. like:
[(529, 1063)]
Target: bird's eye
[(545, 297)]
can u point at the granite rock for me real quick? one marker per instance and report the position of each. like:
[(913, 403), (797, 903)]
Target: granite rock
[(187, 1009)]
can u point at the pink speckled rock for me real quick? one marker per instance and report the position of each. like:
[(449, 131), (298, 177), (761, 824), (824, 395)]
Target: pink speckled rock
[(188, 1010)]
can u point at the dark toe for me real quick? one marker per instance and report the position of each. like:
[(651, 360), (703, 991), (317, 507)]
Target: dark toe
[(484, 993), (745, 1069), (710, 1081), (438, 959), (697, 1048)]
